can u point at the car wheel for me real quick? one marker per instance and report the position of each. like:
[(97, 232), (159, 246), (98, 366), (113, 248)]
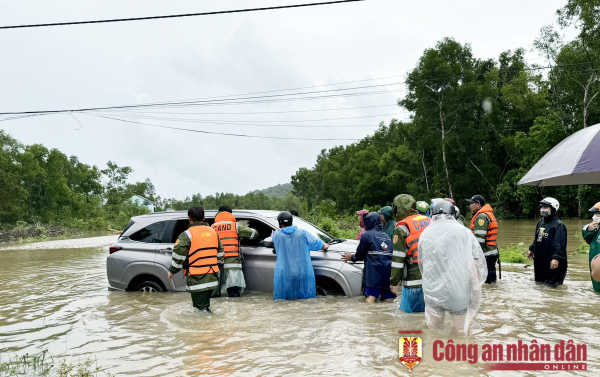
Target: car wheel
[(322, 291), (149, 287)]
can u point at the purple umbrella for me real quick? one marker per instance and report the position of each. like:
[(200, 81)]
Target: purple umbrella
[(574, 161)]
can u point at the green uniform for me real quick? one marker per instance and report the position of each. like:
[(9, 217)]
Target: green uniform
[(202, 283), (593, 239), (232, 275), (461, 220), (480, 230), (401, 269)]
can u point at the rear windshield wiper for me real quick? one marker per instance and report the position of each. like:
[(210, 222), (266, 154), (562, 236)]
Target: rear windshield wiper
[(336, 240)]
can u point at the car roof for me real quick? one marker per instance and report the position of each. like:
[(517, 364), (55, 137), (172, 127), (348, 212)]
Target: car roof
[(174, 214)]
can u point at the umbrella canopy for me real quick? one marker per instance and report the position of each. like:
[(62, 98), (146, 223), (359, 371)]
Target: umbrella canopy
[(574, 161)]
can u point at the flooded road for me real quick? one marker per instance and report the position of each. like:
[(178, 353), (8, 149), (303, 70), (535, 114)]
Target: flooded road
[(55, 297)]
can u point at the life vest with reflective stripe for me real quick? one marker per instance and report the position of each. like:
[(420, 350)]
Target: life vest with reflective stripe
[(416, 224), (492, 230), (202, 257), (226, 227)]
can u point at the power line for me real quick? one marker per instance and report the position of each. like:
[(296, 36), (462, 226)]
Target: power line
[(219, 133), (242, 122), (177, 15), (259, 99)]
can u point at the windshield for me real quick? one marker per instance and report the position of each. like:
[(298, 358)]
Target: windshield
[(317, 232)]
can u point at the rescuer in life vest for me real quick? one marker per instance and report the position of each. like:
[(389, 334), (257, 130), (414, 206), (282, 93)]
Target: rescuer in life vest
[(230, 231), (405, 258), (485, 228), (549, 247), (453, 269), (196, 252)]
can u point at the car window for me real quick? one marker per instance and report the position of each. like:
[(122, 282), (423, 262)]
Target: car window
[(264, 231), (152, 233), (315, 231), (180, 227)]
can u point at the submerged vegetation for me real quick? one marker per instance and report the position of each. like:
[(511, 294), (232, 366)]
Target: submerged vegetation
[(44, 364)]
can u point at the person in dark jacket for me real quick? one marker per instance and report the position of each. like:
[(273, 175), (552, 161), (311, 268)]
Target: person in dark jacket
[(549, 247), (386, 214), (375, 248)]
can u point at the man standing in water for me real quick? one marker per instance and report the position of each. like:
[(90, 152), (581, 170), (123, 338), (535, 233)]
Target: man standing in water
[(230, 231), (549, 247), (453, 269), (405, 259), (485, 229), (294, 277), (590, 235), (196, 252), (375, 248)]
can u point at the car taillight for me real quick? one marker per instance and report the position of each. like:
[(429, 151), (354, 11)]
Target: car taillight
[(114, 249)]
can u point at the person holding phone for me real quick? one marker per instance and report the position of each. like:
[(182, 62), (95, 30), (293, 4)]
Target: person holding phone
[(591, 236)]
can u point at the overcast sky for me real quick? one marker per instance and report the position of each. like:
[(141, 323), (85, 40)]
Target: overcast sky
[(86, 66)]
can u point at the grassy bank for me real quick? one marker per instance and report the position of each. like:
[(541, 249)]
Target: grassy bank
[(35, 232)]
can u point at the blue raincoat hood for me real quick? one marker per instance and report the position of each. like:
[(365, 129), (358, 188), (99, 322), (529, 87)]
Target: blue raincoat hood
[(289, 229), (372, 221)]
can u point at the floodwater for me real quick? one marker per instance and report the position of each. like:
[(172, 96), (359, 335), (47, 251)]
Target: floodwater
[(55, 297)]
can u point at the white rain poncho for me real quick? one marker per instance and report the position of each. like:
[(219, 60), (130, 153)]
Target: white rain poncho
[(454, 269)]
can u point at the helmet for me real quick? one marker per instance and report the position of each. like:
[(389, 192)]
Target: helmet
[(285, 218), (550, 202), (456, 212), (441, 206), (595, 208), (451, 201), (422, 206)]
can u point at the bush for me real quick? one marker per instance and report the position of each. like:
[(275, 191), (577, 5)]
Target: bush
[(514, 254)]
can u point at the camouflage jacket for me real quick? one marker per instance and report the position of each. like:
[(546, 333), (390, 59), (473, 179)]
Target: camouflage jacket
[(480, 229), (206, 282)]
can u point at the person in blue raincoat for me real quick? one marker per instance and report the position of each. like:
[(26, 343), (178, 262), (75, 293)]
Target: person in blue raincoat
[(375, 248), (294, 276)]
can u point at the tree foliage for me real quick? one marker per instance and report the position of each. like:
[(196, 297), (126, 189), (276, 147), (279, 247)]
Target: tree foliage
[(476, 127)]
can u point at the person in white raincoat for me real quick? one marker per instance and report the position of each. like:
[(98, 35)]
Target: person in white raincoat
[(453, 268)]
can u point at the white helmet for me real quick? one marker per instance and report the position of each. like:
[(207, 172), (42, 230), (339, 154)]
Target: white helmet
[(550, 202)]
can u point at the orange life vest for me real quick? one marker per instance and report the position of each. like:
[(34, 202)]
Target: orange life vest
[(202, 257), (492, 230), (226, 227), (416, 224)]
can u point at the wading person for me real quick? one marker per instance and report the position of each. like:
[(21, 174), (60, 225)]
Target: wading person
[(387, 217), (453, 269), (591, 236), (405, 259), (294, 277), (360, 214), (549, 247), (196, 252), (375, 248), (485, 228), (230, 232)]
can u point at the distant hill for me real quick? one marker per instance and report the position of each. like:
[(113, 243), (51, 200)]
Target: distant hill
[(277, 191)]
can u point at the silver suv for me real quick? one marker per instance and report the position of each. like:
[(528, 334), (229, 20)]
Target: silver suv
[(140, 259)]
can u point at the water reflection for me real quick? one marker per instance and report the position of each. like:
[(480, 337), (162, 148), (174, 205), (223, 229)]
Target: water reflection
[(57, 298)]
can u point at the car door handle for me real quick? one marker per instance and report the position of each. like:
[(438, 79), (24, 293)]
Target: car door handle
[(166, 251)]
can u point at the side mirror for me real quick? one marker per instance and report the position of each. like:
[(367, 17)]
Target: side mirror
[(268, 242)]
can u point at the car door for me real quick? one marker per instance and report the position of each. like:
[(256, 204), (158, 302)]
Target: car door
[(164, 253), (258, 261)]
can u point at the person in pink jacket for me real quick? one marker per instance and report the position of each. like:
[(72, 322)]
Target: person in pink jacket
[(360, 214)]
